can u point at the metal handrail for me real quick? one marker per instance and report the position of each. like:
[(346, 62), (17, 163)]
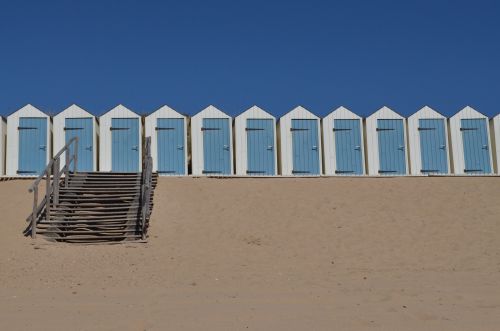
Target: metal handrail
[(146, 186), (52, 174)]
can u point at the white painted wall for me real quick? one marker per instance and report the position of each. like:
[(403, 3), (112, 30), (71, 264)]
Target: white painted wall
[(414, 137), (286, 149), (329, 138), (457, 141), (240, 137), (372, 138), (3, 138), (495, 121), (59, 122), (150, 125), (119, 111), (12, 154), (197, 138)]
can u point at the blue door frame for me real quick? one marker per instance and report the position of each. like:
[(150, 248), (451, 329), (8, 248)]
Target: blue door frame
[(125, 144), (260, 147), (305, 147), (433, 149), (216, 146), (476, 146), (170, 146), (391, 147), (83, 128), (348, 153), (32, 156)]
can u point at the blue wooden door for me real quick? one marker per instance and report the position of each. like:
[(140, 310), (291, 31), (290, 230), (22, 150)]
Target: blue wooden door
[(305, 147), (125, 144), (170, 146), (433, 148), (476, 149), (348, 151), (391, 147), (82, 128), (216, 146), (260, 147), (32, 158)]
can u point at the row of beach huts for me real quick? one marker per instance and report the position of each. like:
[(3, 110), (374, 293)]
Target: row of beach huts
[(255, 143)]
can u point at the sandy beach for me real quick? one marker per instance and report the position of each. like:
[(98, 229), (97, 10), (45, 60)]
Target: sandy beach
[(269, 254)]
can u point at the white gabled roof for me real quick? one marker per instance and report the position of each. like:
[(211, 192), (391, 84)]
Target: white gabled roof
[(74, 109), (120, 111), (28, 110), (468, 112), (385, 112), (211, 112)]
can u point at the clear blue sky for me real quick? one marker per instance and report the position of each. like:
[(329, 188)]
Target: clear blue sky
[(233, 54)]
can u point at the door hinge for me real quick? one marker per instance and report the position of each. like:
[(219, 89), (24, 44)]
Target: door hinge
[(386, 171), (426, 170), (255, 172), (25, 171), (166, 171), (300, 172), (253, 129), (380, 129), (115, 129), (473, 170), (344, 171), (161, 129), (27, 128), (211, 172), (69, 129), (468, 129), (425, 129), (295, 129), (334, 129), (209, 129)]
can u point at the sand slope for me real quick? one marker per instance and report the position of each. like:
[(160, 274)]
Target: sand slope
[(270, 254)]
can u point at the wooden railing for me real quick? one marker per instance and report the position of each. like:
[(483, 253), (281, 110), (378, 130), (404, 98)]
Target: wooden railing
[(146, 186), (52, 175)]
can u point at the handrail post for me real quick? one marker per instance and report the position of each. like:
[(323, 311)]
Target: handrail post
[(47, 194), (34, 214), (56, 177), (66, 171)]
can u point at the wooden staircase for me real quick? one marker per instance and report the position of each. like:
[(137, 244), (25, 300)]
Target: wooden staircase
[(93, 207), (96, 207)]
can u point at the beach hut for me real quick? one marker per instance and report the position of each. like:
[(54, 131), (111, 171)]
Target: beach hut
[(255, 142), (300, 143), (211, 142), (28, 141), (428, 142), (386, 143), (77, 122), (470, 141), (3, 135), (120, 141), (168, 131), (343, 143)]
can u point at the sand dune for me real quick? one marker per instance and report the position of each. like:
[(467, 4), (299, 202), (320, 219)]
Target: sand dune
[(270, 254)]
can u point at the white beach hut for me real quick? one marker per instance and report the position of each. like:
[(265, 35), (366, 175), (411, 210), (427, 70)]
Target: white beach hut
[(28, 141), (386, 143), (168, 131), (77, 122), (470, 141), (120, 147), (3, 136), (300, 143), (343, 143), (211, 143), (428, 142), (255, 142)]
